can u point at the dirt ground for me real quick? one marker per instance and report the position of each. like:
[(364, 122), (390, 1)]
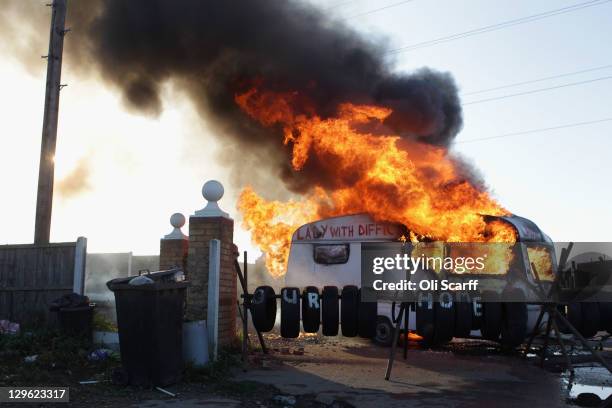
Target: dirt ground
[(466, 373), (314, 371)]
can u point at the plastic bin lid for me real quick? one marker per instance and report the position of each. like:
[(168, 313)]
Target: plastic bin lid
[(165, 276)]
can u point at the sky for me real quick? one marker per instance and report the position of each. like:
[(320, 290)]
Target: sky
[(144, 169)]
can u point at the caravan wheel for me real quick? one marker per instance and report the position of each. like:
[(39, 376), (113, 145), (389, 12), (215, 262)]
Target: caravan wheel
[(384, 331)]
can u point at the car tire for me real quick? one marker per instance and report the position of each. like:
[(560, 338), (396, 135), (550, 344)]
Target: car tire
[(290, 312), (476, 313), (491, 317), (264, 308), (367, 314), (311, 309), (514, 319), (330, 310), (590, 319), (463, 316), (444, 318), (605, 316), (349, 318), (425, 321)]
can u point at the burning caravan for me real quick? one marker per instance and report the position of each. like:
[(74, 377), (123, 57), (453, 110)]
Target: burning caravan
[(328, 252)]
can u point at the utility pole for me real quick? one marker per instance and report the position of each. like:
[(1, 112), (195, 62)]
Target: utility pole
[(44, 200)]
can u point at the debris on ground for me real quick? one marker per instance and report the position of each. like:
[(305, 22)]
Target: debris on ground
[(8, 327), (284, 399), (102, 354), (30, 359), (70, 300), (160, 389)]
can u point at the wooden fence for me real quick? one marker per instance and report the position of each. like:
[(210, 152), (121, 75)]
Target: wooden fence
[(32, 276)]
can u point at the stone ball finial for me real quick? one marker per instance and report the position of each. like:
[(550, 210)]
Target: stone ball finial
[(213, 190), (177, 220)]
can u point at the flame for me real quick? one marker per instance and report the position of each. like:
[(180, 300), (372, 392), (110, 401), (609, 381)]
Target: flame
[(413, 183), (412, 336), (272, 223), (540, 257)]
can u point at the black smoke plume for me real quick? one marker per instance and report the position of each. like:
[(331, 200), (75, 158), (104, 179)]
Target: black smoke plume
[(210, 49)]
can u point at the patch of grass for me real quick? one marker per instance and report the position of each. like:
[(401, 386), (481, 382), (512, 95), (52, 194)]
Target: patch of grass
[(60, 359), (214, 371), (102, 323)]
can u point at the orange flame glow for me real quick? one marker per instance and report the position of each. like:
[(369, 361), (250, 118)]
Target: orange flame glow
[(392, 179), (540, 257)]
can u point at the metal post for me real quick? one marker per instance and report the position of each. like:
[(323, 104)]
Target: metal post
[(212, 320), (44, 199), (396, 330), (568, 359), (407, 312), (245, 326), (546, 338), (585, 344), (247, 298), (535, 330)]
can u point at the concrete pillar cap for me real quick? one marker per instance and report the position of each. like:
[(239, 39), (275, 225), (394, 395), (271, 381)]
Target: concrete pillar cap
[(177, 220), (212, 191)]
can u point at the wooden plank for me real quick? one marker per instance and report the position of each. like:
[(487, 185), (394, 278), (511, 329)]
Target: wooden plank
[(50, 245), (3, 268), (39, 289), (66, 267), (32, 276)]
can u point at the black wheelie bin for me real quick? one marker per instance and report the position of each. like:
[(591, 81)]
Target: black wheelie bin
[(150, 310)]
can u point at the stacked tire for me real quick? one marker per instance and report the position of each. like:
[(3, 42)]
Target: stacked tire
[(588, 318), (441, 316), (324, 311)]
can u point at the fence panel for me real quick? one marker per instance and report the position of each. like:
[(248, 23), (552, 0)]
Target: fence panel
[(32, 276)]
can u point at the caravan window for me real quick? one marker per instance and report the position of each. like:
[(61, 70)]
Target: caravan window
[(331, 254)]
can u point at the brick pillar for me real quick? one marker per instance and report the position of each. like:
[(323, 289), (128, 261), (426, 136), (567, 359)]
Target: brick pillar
[(173, 247), (204, 225)]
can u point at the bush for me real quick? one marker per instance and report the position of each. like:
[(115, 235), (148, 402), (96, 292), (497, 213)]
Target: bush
[(102, 323)]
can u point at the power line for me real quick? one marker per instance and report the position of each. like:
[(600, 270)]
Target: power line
[(537, 90), (339, 4), (499, 26), (379, 9), (582, 71), (547, 129)]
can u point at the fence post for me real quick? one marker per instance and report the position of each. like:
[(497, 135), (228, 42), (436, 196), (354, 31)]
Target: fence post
[(214, 272), (80, 257)]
